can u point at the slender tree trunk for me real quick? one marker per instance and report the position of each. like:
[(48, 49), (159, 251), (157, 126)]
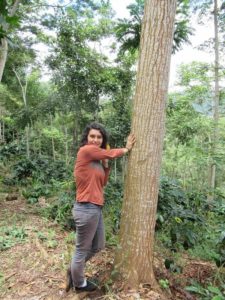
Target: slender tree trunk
[(123, 165), (27, 129), (3, 131), (4, 43), (135, 258), (115, 170), (53, 142), (66, 146), (28, 126), (39, 142), (76, 129), (53, 148), (3, 56), (23, 88), (215, 134), (96, 113)]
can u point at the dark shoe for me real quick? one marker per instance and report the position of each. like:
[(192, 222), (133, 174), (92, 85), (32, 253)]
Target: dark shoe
[(69, 280), (90, 287)]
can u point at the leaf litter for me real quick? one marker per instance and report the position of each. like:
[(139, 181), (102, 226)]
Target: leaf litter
[(35, 268)]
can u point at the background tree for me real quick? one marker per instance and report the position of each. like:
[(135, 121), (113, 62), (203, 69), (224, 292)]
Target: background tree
[(79, 71), (128, 31), (188, 124), (8, 20), (16, 16), (215, 134), (213, 45), (135, 258)]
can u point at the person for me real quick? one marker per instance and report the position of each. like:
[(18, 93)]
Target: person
[(91, 173)]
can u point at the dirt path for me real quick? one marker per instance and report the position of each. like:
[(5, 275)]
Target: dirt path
[(34, 254)]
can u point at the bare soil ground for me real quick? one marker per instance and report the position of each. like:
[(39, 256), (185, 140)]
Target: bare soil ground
[(33, 266)]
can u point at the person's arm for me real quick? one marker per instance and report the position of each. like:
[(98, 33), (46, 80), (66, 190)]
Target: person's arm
[(105, 162), (95, 153)]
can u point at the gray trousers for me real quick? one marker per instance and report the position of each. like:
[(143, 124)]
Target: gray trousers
[(90, 237)]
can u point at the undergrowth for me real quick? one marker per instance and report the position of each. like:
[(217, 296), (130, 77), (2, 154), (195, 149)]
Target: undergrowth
[(11, 235)]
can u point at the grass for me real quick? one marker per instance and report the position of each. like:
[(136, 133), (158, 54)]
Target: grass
[(10, 236), (70, 238), (209, 292)]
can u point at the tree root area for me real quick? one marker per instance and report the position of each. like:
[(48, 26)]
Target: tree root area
[(33, 265)]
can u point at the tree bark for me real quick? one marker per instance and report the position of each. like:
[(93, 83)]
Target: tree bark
[(3, 55), (66, 146), (52, 139), (29, 123), (3, 131), (215, 133), (4, 43), (23, 88), (115, 170), (135, 257), (27, 129)]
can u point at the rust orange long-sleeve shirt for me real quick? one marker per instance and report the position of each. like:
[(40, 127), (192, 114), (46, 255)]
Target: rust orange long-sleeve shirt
[(90, 175)]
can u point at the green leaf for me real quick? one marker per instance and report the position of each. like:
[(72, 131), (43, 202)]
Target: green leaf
[(194, 289), (218, 298), (214, 290)]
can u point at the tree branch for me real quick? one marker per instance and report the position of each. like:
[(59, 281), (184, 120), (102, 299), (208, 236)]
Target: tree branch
[(14, 8)]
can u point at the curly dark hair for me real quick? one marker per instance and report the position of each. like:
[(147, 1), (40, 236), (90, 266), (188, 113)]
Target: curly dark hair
[(98, 127)]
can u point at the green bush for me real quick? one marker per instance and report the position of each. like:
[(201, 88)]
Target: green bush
[(47, 169), (36, 191), (113, 203), (61, 210), (209, 292), (220, 247), (178, 214), (41, 169), (23, 169), (7, 151)]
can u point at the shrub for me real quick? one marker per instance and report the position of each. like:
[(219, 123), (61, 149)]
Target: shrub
[(41, 169), (177, 210), (12, 149), (61, 210), (112, 210), (36, 191), (209, 292)]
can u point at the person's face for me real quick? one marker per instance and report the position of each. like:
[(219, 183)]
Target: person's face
[(95, 137)]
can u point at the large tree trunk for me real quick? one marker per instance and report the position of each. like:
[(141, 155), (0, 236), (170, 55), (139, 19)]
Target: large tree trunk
[(135, 258), (215, 134)]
